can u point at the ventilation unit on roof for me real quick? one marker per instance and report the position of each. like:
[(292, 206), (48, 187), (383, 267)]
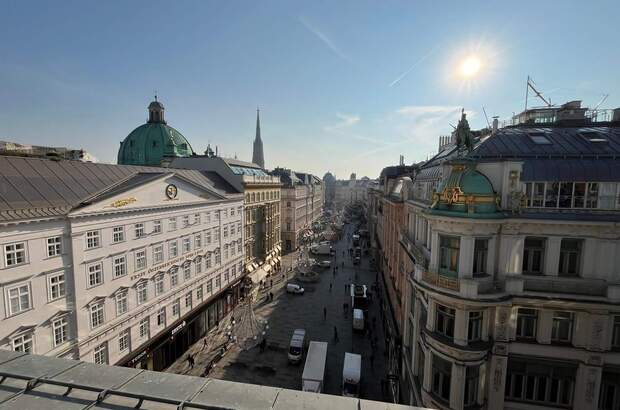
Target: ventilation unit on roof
[(539, 138), (593, 136)]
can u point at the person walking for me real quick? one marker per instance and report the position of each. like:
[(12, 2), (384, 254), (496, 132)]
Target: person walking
[(190, 361), (336, 335), (324, 313), (330, 288)]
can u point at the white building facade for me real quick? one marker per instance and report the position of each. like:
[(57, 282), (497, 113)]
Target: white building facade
[(514, 295), (124, 265)]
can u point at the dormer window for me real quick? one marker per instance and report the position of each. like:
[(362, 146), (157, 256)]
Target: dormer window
[(593, 136)]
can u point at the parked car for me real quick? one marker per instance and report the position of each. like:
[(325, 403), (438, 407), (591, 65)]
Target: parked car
[(296, 347), (294, 288), (325, 264)]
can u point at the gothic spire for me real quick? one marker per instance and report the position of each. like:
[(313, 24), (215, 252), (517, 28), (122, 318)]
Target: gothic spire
[(257, 153)]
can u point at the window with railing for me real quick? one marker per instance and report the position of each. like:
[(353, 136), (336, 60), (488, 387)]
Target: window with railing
[(533, 256), (481, 250), (444, 321)]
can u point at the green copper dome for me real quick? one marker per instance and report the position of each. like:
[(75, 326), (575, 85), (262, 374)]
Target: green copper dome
[(466, 192), (154, 141)]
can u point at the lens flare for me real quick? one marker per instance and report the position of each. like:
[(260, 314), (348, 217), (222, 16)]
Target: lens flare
[(470, 66)]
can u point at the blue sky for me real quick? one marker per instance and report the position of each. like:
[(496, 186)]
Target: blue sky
[(344, 86)]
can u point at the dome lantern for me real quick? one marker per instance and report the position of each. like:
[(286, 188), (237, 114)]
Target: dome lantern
[(156, 112)]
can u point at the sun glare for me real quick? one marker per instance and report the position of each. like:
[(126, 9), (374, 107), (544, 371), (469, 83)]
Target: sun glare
[(470, 66)]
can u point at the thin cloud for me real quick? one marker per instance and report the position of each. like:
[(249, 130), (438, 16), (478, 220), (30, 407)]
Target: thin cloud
[(346, 121), (326, 40), (417, 63)]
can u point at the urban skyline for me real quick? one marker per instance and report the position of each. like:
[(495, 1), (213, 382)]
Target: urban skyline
[(384, 89)]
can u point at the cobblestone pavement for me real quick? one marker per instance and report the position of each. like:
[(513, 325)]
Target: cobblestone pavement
[(288, 312)]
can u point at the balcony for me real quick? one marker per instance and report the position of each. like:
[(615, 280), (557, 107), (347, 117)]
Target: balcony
[(441, 281), (519, 284), (471, 288), (415, 251)]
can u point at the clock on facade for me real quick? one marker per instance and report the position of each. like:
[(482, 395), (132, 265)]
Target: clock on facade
[(171, 191)]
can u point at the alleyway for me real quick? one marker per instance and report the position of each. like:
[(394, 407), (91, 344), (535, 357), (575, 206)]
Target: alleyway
[(288, 312)]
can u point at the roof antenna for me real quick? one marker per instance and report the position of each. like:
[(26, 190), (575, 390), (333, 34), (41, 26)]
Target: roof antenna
[(155, 95)]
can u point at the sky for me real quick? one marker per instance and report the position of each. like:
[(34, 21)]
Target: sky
[(343, 86)]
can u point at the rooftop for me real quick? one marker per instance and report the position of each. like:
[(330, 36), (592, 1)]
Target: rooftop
[(41, 382)]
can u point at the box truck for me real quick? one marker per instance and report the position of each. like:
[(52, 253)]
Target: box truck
[(314, 369)]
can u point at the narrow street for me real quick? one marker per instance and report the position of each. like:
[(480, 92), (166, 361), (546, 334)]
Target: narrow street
[(288, 312)]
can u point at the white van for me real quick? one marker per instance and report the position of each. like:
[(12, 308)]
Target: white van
[(351, 375), (294, 288), (358, 320), (296, 347)]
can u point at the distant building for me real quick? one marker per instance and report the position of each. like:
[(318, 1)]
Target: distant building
[(154, 143), (261, 228), (115, 264), (302, 205), (27, 150), (350, 191), (329, 186), (258, 157)]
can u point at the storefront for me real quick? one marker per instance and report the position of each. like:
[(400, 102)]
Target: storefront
[(165, 348)]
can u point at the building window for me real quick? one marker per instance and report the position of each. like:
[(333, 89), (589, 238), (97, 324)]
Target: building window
[(481, 249), (144, 328), (449, 255), (121, 303), (527, 322), (61, 331), (208, 217), (208, 237), (124, 340), (533, 256), (615, 338), (101, 354), (198, 265), (174, 278), (159, 284), (471, 385), (15, 254), (592, 195), (95, 274), (23, 343), (93, 239), (545, 383), (198, 241), (199, 293), (218, 281), (119, 263), (562, 328), (56, 285), (118, 234), (185, 221), (54, 246), (141, 292), (442, 372), (445, 321), (474, 327), (218, 257), (176, 307), (158, 253), (225, 232), (96, 315), (288, 204), (161, 317), (570, 257), (288, 226), (226, 275), (173, 251), (139, 230), (172, 224), (187, 272), (188, 300), (141, 259), (187, 246), (210, 286), (156, 227), (197, 219)]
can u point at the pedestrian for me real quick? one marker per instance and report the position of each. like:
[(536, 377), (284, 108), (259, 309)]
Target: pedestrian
[(324, 313), (330, 288), (271, 296), (345, 288), (263, 344), (190, 361), (336, 335), (271, 283), (232, 319), (204, 343)]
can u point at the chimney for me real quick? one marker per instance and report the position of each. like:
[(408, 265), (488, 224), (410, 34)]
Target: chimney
[(495, 125)]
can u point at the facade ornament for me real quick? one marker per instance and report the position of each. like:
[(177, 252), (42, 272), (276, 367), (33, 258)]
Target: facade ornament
[(464, 137), (123, 202)]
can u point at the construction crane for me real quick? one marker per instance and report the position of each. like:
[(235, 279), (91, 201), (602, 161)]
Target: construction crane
[(538, 94), (595, 109)]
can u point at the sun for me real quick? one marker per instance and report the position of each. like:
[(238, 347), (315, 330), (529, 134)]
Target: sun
[(470, 66)]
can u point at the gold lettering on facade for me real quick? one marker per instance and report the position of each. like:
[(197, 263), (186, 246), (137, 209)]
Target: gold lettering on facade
[(123, 202)]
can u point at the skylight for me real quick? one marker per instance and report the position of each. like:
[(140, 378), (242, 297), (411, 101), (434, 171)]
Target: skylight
[(539, 138), (593, 136)]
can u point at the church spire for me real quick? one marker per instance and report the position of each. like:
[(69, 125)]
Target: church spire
[(257, 153)]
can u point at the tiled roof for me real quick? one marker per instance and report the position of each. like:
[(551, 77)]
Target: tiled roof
[(39, 188)]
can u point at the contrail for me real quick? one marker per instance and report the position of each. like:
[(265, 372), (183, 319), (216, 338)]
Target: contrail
[(324, 39), (403, 75)]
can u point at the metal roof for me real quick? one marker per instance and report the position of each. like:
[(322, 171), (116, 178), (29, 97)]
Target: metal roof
[(556, 170), (30, 382), (40, 188)]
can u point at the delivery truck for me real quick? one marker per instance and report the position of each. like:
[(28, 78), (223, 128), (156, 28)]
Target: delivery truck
[(314, 369), (351, 374)]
